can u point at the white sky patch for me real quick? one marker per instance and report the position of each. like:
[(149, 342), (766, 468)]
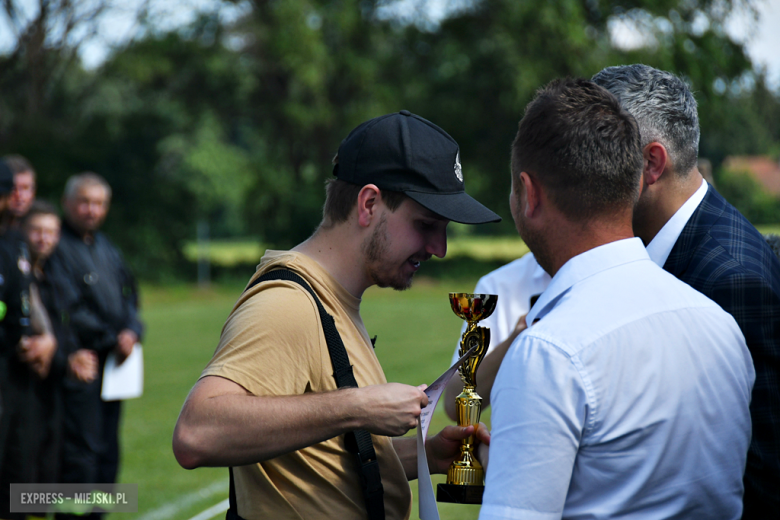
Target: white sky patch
[(118, 25), (761, 37), (631, 32)]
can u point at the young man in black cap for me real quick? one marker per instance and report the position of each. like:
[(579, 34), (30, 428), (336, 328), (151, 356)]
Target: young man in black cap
[(268, 401)]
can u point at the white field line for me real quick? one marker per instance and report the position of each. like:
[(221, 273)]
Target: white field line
[(170, 510), (213, 511)]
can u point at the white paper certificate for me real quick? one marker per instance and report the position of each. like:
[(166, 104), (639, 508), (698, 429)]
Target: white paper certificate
[(427, 500), (125, 381)]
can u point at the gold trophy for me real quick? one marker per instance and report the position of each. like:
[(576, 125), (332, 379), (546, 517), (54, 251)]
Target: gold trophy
[(466, 477)]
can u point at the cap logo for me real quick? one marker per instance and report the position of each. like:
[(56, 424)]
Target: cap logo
[(458, 170)]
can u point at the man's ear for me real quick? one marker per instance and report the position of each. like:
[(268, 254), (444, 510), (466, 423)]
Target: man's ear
[(532, 194), (368, 197), (656, 161)]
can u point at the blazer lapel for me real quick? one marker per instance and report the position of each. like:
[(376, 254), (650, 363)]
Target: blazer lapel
[(695, 232)]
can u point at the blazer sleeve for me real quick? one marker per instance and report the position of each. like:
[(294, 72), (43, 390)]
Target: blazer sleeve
[(749, 298)]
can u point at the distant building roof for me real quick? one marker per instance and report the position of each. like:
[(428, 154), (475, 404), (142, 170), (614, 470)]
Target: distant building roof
[(762, 168)]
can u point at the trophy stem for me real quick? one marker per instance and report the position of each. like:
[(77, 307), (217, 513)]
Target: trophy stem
[(466, 476), (467, 470)]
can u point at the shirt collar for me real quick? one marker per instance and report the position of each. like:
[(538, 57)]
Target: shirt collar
[(584, 266), (661, 245)]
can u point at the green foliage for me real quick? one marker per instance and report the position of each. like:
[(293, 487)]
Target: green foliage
[(748, 196), (235, 124)]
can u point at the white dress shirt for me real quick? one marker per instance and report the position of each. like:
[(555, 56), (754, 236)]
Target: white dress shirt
[(515, 284), (661, 245), (628, 399)]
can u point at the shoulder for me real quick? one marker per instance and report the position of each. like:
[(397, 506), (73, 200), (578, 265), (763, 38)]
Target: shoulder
[(730, 247), (272, 341), (524, 270), (273, 312), (622, 297)]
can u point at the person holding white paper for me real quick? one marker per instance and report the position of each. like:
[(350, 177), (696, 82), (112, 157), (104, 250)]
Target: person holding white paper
[(104, 319)]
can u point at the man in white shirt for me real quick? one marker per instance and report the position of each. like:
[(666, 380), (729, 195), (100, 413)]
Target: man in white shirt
[(628, 395)]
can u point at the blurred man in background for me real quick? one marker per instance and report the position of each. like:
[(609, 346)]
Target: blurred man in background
[(104, 320), (16, 375), (41, 228), (23, 194)]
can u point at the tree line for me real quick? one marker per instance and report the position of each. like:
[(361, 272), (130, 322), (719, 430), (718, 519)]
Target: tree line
[(235, 123)]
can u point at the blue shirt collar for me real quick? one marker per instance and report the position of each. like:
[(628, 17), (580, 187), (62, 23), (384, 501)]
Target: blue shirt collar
[(583, 266)]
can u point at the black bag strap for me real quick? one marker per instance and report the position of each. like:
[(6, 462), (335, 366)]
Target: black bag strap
[(232, 512), (358, 441)]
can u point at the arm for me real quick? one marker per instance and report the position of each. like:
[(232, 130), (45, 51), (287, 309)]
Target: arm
[(133, 324), (83, 365), (38, 350), (88, 326), (755, 306), (91, 330), (486, 374), (221, 424), (39, 318), (440, 450), (538, 417)]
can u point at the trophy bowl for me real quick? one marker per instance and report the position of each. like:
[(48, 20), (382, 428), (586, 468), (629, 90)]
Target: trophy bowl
[(473, 307)]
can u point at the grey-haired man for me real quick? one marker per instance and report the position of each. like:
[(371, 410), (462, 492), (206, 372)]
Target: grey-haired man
[(690, 230)]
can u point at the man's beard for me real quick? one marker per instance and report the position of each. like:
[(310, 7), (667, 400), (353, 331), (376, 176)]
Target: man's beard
[(536, 242), (376, 249)]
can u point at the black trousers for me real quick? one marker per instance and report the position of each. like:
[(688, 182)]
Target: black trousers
[(90, 451), (17, 442), (46, 429)]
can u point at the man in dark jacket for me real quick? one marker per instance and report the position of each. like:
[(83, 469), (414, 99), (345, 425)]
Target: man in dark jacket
[(697, 236), (15, 376), (41, 227), (105, 320)]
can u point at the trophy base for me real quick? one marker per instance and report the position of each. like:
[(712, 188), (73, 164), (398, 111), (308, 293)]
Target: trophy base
[(459, 494)]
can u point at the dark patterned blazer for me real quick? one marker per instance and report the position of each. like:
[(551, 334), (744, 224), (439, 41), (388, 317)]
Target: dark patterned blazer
[(720, 254)]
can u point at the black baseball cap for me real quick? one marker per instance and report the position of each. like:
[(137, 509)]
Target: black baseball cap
[(6, 178), (404, 152)]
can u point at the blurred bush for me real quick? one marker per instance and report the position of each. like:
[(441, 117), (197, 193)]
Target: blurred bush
[(234, 123)]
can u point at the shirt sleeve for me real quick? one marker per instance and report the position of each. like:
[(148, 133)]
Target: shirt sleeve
[(539, 414), (271, 344)]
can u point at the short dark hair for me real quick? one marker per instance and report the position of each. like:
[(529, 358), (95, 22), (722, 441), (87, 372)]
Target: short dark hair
[(39, 207), (19, 164), (341, 198), (663, 106), (583, 147)]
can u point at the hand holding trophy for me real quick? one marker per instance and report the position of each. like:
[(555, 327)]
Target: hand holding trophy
[(466, 477)]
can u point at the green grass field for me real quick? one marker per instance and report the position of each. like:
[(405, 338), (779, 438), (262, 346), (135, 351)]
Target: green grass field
[(230, 253), (416, 330)]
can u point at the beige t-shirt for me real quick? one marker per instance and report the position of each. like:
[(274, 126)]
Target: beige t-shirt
[(273, 344)]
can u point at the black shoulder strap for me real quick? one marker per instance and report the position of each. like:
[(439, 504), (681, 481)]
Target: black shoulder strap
[(358, 441), (232, 512)]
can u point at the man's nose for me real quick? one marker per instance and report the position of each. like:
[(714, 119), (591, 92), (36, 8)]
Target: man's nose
[(437, 244)]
